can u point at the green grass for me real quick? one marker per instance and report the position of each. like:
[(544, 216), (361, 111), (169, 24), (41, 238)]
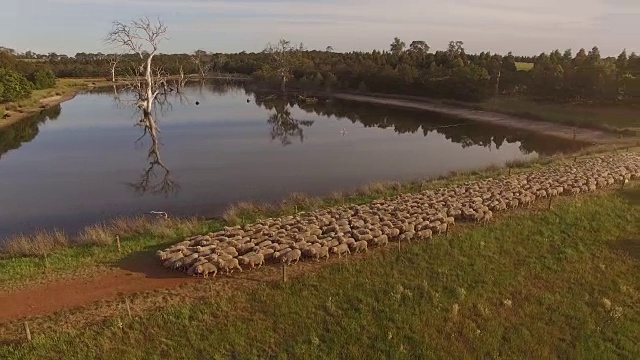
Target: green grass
[(22, 270), (623, 119), (552, 284), (524, 66)]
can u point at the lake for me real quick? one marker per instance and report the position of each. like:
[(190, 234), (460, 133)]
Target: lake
[(80, 163)]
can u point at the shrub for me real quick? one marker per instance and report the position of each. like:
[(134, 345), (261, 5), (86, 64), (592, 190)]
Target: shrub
[(13, 86), (43, 79)]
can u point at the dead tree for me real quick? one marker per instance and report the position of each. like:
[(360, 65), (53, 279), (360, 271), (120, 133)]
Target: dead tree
[(203, 65), (284, 55), (182, 80), (142, 37), (113, 59)]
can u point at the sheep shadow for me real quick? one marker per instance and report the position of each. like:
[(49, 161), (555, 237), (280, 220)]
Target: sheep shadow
[(631, 194), (145, 262), (630, 247)]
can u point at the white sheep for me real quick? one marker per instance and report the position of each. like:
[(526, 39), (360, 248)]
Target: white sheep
[(359, 246), (229, 265), (292, 256), (381, 240), (342, 249), (257, 259)]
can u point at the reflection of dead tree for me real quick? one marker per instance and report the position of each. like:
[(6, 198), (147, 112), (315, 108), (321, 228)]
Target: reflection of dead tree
[(148, 183), (284, 126)]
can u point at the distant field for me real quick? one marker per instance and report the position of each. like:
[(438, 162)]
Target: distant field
[(524, 66)]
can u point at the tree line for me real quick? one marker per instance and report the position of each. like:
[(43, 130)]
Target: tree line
[(411, 69)]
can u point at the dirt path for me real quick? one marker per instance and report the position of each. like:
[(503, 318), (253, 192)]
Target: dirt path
[(75, 292), (558, 130)]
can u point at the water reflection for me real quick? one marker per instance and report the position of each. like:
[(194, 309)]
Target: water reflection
[(464, 132), (283, 125), (150, 181), (14, 136)]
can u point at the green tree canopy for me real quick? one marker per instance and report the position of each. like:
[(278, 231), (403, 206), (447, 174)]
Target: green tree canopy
[(14, 86)]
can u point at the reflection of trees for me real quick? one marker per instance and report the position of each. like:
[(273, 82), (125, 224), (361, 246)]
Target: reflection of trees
[(12, 137), (156, 177), (283, 125), (464, 132)]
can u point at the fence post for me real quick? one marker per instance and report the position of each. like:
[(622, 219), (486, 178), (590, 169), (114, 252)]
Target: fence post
[(550, 198), (27, 331), (46, 263), (118, 244), (284, 272), (446, 232), (128, 307)]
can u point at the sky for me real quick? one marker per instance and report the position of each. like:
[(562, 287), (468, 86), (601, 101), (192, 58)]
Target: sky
[(526, 27)]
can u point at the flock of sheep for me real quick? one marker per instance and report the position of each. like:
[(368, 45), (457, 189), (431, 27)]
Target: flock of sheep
[(345, 230)]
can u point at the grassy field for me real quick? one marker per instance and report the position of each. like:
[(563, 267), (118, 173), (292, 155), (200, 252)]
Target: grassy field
[(559, 283), (524, 66), (624, 119)]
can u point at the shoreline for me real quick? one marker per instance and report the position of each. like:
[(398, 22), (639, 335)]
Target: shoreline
[(45, 104), (591, 136)]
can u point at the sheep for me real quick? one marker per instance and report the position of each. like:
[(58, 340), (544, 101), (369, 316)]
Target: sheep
[(359, 246), (442, 228), (393, 233), (192, 270), (381, 240), (322, 252), (340, 250), (206, 269), (172, 258), (406, 236), (228, 265), (425, 234), (253, 260), (292, 256)]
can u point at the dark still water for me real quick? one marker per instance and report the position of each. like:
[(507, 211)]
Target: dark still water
[(80, 163)]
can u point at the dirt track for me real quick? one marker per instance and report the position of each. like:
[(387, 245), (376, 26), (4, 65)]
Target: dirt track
[(76, 292), (558, 130)]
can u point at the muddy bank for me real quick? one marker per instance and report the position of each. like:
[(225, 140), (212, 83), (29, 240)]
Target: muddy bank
[(579, 134)]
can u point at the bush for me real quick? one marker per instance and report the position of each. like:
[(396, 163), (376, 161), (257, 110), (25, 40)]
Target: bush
[(43, 79), (13, 86)]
